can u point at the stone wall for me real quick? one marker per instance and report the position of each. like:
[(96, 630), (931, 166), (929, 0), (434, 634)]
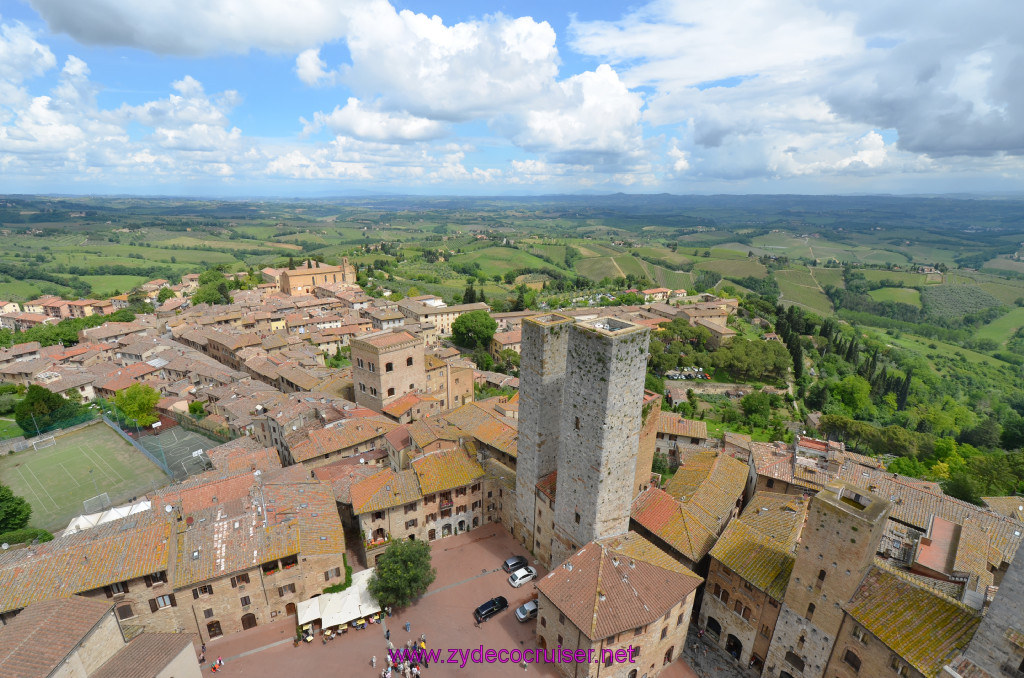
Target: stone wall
[(755, 631), (600, 432), (991, 648), (876, 658)]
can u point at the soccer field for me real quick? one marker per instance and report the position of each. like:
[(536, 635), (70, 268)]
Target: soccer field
[(56, 479)]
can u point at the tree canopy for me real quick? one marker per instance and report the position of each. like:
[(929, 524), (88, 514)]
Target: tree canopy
[(14, 510), (403, 573), (747, 359), (137, 402), (474, 329), (41, 410)]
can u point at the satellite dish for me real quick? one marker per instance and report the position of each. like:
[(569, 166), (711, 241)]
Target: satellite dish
[(168, 508)]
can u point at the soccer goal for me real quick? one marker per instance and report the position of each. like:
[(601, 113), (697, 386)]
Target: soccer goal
[(44, 442), (101, 502)]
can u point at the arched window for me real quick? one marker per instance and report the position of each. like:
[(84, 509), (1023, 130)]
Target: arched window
[(853, 660), (389, 367), (408, 361), (718, 590), (725, 596), (821, 576)]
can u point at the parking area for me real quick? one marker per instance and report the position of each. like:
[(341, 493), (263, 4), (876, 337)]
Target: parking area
[(468, 574)]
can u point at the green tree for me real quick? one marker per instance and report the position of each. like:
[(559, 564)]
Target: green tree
[(474, 329), (757, 407), (164, 294), (469, 296), (207, 294), (14, 510), (137, 402), (660, 464), (40, 410), (963, 487), (197, 409), (509, 360), (908, 467), (483, 359), (402, 574), (211, 277), (855, 393)]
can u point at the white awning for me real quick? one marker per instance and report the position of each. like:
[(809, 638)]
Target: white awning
[(309, 610)]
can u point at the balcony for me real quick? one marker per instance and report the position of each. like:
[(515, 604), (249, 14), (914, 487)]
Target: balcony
[(446, 504), (374, 542)]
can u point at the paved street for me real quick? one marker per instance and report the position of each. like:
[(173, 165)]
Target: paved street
[(468, 573)]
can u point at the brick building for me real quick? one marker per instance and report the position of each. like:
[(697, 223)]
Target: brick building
[(303, 279), (386, 366)]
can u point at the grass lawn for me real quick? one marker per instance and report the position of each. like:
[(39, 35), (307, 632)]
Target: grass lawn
[(903, 295), (56, 479), (1003, 327), (8, 429), (20, 290)]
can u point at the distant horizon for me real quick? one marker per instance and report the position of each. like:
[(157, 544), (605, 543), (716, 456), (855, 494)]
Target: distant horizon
[(444, 97)]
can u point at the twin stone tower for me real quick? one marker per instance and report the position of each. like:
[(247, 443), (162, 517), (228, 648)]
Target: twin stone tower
[(581, 390)]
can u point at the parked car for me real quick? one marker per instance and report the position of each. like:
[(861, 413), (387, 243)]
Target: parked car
[(490, 608), (527, 611), (522, 576), (515, 563)]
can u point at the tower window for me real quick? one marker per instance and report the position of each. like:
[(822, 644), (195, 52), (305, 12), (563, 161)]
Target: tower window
[(577, 518), (810, 611), (577, 425), (408, 362)]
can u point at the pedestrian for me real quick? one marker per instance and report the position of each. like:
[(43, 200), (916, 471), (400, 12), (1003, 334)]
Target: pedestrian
[(373, 661), (213, 669), (705, 652), (204, 648), (423, 637), (220, 662), (387, 634), (408, 627), (202, 658)]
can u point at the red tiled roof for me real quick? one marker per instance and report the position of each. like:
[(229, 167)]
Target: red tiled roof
[(43, 634), (146, 656), (616, 584)]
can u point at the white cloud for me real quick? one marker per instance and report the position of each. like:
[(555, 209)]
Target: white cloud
[(198, 27), (592, 118), (361, 122), (312, 70), (416, 63)]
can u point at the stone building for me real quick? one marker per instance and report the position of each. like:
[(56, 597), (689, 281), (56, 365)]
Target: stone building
[(439, 496), (75, 637), (998, 646), (896, 626), (748, 574), (620, 600), (600, 423), (386, 366), (676, 435), (844, 526), (303, 279)]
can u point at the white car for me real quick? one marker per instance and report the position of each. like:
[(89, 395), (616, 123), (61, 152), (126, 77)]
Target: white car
[(522, 576)]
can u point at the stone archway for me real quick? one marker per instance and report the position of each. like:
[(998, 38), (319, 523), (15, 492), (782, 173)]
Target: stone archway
[(542, 643), (669, 655), (733, 646), (462, 526), (248, 621), (446, 530), (289, 608), (714, 629)]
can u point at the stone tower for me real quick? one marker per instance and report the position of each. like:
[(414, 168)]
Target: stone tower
[(602, 399), (997, 644), (541, 375), (837, 546)]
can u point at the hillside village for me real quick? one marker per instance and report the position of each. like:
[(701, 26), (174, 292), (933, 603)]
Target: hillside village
[(797, 558)]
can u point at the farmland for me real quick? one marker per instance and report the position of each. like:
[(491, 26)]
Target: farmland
[(954, 301), (902, 295)]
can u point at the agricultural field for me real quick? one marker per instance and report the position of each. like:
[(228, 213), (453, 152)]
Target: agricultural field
[(902, 295), (955, 301), (1005, 263), (810, 298), (829, 276), (733, 268), (1007, 292), (57, 479), (908, 279), (108, 285), (597, 268)]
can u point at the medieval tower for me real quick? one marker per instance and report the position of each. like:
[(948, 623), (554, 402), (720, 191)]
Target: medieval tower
[(545, 340), (600, 422), (837, 546)]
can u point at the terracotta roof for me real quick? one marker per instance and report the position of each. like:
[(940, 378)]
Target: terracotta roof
[(146, 656), (341, 435), (386, 489), (388, 339), (673, 424), (342, 476), (400, 406), (691, 533), (487, 426), (313, 505), (548, 485), (243, 454), (44, 634), (446, 470), (1011, 507), (925, 629), (510, 337), (759, 545), (113, 552), (617, 584)]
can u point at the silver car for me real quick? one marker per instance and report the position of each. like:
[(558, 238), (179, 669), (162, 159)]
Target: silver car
[(520, 577), (527, 611)]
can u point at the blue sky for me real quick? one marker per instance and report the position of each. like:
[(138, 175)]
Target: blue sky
[(320, 97)]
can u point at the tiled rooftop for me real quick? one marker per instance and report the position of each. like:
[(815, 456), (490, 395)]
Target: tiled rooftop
[(44, 634), (617, 584), (446, 470), (926, 629), (386, 489), (145, 657), (673, 424)]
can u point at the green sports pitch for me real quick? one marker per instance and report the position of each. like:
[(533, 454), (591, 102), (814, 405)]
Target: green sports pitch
[(78, 466)]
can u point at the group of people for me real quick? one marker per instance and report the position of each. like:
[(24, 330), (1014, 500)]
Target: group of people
[(409, 667), (216, 666)]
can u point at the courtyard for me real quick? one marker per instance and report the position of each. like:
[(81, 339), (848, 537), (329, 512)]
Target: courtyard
[(468, 574)]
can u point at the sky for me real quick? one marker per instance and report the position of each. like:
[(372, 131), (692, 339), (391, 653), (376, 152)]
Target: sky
[(275, 98)]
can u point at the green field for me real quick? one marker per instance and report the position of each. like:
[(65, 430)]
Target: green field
[(92, 460), (905, 277), (903, 295), (1007, 292), (8, 429), (597, 268), (1003, 327), (809, 297), (829, 276), (500, 260), (20, 290), (108, 285), (733, 268)]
